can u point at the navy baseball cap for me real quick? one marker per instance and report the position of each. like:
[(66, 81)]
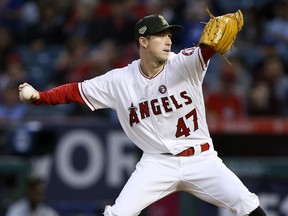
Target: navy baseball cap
[(153, 24)]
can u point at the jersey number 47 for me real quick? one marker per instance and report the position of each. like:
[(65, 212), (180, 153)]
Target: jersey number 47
[(182, 129)]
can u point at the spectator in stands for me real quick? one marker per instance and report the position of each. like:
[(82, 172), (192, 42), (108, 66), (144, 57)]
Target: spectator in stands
[(225, 104), (105, 57), (33, 202), (30, 12), (10, 107), (277, 27), (242, 75), (97, 21), (11, 14), (14, 72), (252, 33), (260, 101), (81, 22), (73, 63), (269, 90), (195, 14), (7, 48), (121, 22), (48, 29)]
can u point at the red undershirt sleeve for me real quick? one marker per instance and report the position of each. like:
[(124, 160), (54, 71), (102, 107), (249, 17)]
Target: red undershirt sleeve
[(63, 94), (207, 52)]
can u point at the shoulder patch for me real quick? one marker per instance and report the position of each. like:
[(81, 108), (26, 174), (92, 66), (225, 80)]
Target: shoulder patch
[(188, 51)]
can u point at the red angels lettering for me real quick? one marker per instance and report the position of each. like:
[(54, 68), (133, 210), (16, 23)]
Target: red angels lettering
[(169, 103), (155, 108), (144, 109), (133, 115), (165, 104), (178, 106), (184, 95)]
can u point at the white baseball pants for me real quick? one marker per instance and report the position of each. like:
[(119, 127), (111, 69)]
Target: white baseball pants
[(203, 175)]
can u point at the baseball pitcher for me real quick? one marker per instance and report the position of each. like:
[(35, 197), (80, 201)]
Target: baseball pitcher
[(159, 103)]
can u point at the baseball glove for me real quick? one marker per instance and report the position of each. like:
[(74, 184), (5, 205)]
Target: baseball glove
[(220, 32)]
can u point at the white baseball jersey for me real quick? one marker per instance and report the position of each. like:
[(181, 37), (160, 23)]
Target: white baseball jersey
[(166, 114), (160, 114)]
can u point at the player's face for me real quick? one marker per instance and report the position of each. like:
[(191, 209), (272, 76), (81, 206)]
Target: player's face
[(159, 46)]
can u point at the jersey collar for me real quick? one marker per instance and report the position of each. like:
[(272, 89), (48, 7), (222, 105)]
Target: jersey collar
[(147, 77)]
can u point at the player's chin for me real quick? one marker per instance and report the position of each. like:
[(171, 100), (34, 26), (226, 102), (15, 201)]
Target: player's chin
[(164, 57), (162, 61)]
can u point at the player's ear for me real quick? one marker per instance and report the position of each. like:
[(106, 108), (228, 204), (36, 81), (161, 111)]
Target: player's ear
[(143, 41)]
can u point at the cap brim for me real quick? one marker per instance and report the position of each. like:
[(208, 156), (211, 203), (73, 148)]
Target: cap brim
[(176, 28), (172, 28)]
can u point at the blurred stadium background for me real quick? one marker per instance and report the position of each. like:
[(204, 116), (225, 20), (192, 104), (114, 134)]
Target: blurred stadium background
[(83, 156)]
